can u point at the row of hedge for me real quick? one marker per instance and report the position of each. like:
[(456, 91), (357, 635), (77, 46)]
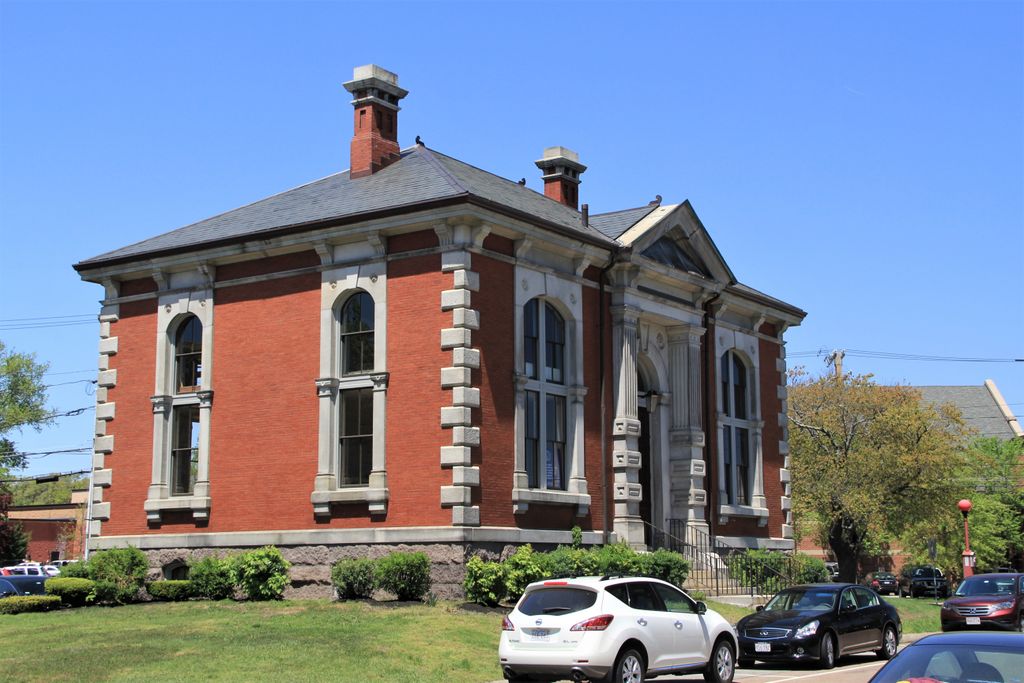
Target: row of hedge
[(490, 583), (405, 575)]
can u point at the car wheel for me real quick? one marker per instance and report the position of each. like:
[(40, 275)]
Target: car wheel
[(888, 650), (1020, 621), (629, 667), (723, 663), (827, 655)]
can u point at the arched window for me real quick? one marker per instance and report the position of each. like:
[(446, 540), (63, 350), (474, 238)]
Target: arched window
[(188, 355), (357, 334), (544, 361), (735, 407)]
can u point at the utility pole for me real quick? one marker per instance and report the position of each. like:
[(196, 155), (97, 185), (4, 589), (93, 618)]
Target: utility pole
[(836, 359)]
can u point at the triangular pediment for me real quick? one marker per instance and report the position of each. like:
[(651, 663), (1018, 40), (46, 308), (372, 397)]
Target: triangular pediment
[(673, 236)]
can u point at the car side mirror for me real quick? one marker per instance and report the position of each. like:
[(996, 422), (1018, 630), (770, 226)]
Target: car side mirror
[(759, 608), (701, 607)]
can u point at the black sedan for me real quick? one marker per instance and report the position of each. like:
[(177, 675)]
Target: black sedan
[(22, 585), (970, 657), (820, 622)]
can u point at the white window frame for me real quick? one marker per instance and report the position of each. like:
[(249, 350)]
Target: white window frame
[(337, 286), (566, 296), (174, 308), (744, 347)]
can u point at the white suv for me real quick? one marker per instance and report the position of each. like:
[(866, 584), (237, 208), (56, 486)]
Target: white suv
[(620, 629)]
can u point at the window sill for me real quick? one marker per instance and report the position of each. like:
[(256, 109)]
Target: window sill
[(377, 498), (522, 498), (198, 505), (748, 511)]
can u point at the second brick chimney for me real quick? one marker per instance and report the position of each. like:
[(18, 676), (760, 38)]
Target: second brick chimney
[(375, 96), (562, 169)]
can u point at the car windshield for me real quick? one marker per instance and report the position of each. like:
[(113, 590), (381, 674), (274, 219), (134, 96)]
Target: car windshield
[(980, 585), (809, 599), (884, 575), (954, 664), (927, 573), (556, 600)]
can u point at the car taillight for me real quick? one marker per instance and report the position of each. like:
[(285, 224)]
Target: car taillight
[(507, 625), (594, 624)]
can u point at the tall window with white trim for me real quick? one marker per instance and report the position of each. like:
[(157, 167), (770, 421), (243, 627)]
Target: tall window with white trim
[(736, 428), (188, 376), (544, 356)]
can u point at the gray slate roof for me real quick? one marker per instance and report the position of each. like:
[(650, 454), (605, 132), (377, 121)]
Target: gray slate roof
[(614, 223), (420, 175), (976, 405)]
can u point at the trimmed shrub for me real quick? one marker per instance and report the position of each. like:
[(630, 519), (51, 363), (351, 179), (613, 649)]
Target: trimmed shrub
[(564, 562), (617, 560), (355, 578), (75, 570), (522, 568), (171, 590), (16, 604), (119, 574), (485, 581), (665, 565), (73, 592), (211, 578), (407, 575), (261, 574)]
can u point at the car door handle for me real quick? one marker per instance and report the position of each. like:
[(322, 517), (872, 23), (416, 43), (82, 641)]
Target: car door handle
[(642, 621), (679, 624)]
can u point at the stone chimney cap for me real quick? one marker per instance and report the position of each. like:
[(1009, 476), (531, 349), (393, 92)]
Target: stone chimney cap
[(372, 77), (560, 156)]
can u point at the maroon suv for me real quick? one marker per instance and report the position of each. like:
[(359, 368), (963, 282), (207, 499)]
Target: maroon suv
[(986, 600)]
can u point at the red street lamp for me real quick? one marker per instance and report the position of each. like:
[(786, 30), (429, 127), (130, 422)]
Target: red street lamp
[(968, 556)]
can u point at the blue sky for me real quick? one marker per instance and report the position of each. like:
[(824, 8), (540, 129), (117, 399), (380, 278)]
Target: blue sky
[(864, 161)]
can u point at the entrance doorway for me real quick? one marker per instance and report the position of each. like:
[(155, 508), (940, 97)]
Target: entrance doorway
[(644, 445)]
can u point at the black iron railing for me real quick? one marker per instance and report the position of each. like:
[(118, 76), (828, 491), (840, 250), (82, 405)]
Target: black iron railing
[(720, 571)]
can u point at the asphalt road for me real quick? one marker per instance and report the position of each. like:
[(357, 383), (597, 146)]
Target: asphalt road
[(852, 669)]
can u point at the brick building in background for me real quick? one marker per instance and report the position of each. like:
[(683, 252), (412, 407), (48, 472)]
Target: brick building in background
[(57, 531), (417, 353)]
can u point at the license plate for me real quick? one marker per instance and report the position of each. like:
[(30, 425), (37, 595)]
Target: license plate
[(973, 621), (537, 635), (762, 647)]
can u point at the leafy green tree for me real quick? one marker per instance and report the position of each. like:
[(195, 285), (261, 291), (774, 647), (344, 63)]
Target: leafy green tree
[(22, 404), (989, 475), (868, 461), (28, 492)]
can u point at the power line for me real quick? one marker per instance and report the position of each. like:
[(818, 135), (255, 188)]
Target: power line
[(69, 372), (8, 327), (40, 454), (889, 355), (58, 475), (77, 381), (47, 317), (70, 413)]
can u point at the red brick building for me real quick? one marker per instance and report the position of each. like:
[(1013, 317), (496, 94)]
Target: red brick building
[(415, 352)]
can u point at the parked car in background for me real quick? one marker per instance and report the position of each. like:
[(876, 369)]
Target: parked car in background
[(616, 629), (22, 570), (819, 622), (986, 601), (833, 570), (923, 580), (958, 658), (883, 583), (22, 585)]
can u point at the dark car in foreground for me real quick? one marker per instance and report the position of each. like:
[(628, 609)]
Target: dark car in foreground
[(915, 581), (883, 583), (986, 600), (970, 657), (819, 622), (22, 585)]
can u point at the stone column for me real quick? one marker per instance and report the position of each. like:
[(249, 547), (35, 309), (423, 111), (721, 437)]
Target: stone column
[(687, 467), (627, 491)]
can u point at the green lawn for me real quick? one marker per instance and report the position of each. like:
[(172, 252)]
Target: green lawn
[(228, 641), (300, 640)]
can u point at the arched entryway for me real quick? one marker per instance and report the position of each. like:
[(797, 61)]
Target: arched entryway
[(647, 445)]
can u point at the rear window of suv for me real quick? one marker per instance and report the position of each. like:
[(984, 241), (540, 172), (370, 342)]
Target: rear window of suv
[(557, 600)]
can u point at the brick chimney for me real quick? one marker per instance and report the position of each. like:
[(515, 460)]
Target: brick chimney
[(562, 169), (375, 95)]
